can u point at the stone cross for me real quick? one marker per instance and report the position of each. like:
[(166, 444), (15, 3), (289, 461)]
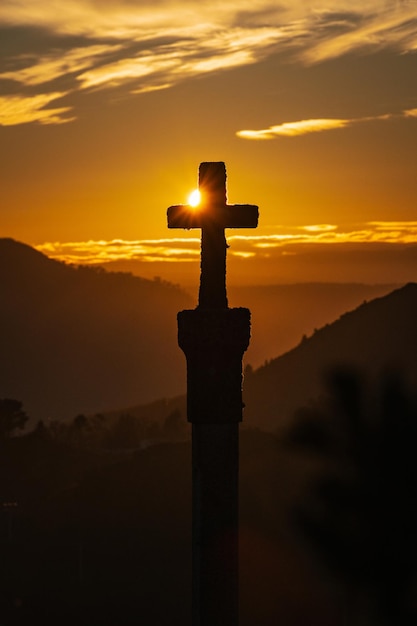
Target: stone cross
[(213, 215), (214, 338)]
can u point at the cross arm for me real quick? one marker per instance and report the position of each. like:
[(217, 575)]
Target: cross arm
[(226, 216), (183, 216)]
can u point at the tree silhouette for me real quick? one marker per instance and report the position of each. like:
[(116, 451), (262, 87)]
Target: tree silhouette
[(361, 512), (12, 417)]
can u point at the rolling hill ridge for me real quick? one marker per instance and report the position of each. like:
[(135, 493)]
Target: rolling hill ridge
[(378, 336), (80, 339)]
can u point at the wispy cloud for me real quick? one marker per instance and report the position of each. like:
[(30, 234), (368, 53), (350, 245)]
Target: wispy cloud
[(377, 25), (293, 129), (24, 109), (100, 252), (182, 249), (149, 46), (51, 66), (167, 63), (329, 234), (305, 127), (320, 228)]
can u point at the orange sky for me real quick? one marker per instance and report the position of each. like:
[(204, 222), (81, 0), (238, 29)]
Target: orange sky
[(107, 110)]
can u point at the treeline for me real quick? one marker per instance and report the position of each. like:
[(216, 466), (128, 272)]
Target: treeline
[(122, 431)]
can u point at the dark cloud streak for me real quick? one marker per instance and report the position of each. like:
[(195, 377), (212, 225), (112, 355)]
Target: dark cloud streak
[(18, 41)]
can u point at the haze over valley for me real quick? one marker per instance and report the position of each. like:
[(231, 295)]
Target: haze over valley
[(83, 340)]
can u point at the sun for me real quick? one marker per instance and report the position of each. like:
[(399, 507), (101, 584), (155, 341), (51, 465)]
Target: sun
[(194, 198)]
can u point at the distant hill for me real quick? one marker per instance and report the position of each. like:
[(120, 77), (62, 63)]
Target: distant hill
[(378, 335), (282, 314), (83, 340), (78, 340)]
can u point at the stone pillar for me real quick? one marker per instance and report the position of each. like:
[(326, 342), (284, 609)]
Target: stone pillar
[(214, 341)]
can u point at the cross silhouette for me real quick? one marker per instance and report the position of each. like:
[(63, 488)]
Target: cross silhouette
[(213, 338), (213, 215)]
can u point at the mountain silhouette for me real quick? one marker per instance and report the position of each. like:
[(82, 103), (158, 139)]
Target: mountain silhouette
[(83, 340), (378, 336), (78, 339), (281, 314)]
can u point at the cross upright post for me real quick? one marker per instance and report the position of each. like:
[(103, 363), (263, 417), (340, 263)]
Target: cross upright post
[(214, 338)]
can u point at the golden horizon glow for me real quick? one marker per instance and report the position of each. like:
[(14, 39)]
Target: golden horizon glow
[(182, 249), (106, 110)]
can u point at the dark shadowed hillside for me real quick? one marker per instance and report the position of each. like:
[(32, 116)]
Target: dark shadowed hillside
[(379, 335), (100, 540), (78, 340), (282, 314)]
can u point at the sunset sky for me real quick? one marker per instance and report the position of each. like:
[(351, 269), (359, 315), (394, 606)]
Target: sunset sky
[(107, 108)]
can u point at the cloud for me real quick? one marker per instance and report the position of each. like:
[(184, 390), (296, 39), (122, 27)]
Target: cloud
[(101, 252), (126, 70), (154, 45), (378, 25), (53, 65), (305, 127), (24, 109), (167, 63), (187, 249), (320, 228), (293, 129), (392, 232)]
